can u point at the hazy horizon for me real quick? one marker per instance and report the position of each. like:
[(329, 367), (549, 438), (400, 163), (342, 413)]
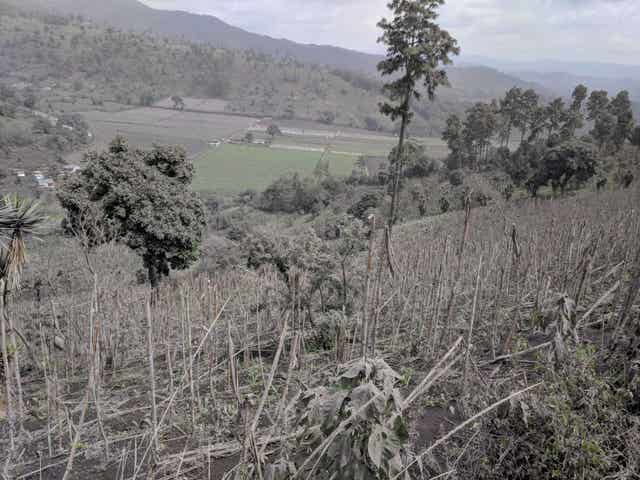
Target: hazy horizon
[(501, 29)]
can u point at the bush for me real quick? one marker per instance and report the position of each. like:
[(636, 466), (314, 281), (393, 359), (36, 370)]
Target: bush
[(290, 194), (373, 445), (444, 205), (456, 178), (362, 208), (327, 117), (575, 428), (421, 167), (508, 192)]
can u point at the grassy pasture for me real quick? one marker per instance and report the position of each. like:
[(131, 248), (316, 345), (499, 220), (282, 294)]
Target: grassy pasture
[(233, 168)]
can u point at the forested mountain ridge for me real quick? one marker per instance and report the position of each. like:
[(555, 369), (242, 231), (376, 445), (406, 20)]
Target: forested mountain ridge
[(134, 15), (107, 64)]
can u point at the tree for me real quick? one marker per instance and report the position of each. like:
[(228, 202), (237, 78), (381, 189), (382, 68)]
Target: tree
[(273, 130), (569, 161), (416, 49), (538, 123), (526, 110), (453, 136), (574, 117), (509, 108), (579, 95), (597, 104), (556, 115), (604, 129), (479, 127), (620, 107), (178, 102), (141, 199), (635, 141), (249, 137)]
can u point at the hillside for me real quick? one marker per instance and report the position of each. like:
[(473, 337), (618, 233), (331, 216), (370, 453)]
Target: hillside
[(133, 15), (76, 59), (66, 59)]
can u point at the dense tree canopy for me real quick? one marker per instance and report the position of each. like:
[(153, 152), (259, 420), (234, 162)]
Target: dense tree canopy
[(139, 198), (569, 161)]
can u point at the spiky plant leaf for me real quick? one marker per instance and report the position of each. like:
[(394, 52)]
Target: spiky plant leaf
[(19, 218)]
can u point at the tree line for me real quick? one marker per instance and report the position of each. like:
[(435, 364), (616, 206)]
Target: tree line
[(538, 143)]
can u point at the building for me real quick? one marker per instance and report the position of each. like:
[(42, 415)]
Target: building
[(47, 183), (71, 168)]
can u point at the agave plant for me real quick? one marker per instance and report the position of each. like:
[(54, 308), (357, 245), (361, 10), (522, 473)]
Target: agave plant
[(19, 218)]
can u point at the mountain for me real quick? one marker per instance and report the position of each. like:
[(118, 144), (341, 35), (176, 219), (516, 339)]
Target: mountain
[(134, 15), (561, 77), (272, 95), (577, 69)]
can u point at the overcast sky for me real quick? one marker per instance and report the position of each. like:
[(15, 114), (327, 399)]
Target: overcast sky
[(580, 30)]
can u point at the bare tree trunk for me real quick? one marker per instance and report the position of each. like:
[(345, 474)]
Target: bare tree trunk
[(152, 375), (7, 368), (399, 164)]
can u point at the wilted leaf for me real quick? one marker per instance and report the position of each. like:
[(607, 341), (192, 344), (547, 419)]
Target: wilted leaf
[(375, 446)]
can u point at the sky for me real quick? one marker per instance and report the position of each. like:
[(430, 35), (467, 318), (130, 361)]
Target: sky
[(576, 30)]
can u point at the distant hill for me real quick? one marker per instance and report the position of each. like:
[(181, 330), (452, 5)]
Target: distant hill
[(560, 83), (561, 77), (126, 66), (133, 15), (469, 84), (577, 69)]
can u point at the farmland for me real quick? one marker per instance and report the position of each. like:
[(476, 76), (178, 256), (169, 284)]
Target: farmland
[(144, 127), (233, 168)]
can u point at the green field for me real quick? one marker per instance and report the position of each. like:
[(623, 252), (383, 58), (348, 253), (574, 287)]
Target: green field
[(234, 168)]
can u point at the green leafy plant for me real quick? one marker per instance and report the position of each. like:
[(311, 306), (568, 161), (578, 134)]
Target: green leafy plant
[(576, 428), (372, 444)]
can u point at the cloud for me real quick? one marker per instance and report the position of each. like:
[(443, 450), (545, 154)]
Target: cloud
[(604, 30)]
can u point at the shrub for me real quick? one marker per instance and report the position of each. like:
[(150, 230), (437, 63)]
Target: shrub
[(576, 428), (456, 178), (508, 191), (362, 207), (373, 444), (421, 167), (444, 205), (290, 194), (327, 117)]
